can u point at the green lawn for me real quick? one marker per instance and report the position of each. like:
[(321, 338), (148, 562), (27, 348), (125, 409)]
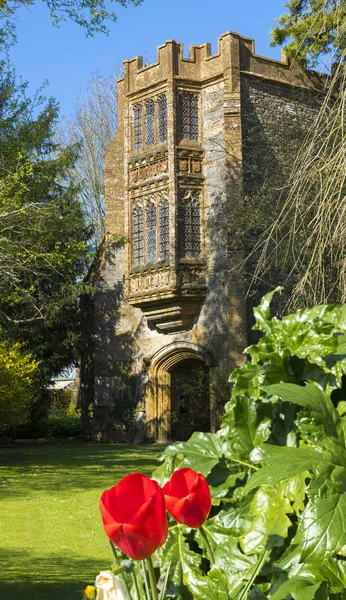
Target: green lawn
[(52, 542)]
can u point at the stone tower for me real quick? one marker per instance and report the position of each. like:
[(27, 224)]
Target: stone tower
[(169, 313)]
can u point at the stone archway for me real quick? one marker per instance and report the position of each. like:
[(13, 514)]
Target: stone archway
[(158, 400)]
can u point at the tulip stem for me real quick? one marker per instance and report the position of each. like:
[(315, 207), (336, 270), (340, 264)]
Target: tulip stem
[(257, 570), (146, 582), (152, 578), (207, 545), (135, 581)]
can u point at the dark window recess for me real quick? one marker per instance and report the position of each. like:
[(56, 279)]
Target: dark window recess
[(188, 116)]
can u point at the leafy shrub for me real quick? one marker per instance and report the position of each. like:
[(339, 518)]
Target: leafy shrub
[(62, 425), (17, 385), (56, 425), (276, 469)]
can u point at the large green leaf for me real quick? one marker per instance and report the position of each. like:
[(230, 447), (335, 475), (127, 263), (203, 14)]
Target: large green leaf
[(262, 312), (269, 509), (164, 471), (212, 587), (247, 429), (201, 452), (331, 571), (313, 399), (300, 588), (282, 463), (323, 526), (177, 556)]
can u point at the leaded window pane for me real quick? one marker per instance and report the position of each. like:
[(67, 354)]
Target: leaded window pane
[(150, 123), (151, 232), (190, 226), (164, 229), (137, 127), (162, 110), (138, 236), (188, 116)]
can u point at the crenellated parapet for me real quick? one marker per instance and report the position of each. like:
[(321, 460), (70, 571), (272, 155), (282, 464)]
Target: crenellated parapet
[(201, 65)]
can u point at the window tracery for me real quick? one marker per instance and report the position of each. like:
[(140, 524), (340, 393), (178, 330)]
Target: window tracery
[(162, 118), (164, 228), (138, 236), (150, 227), (137, 127), (189, 224), (188, 116), (150, 122), (151, 232)]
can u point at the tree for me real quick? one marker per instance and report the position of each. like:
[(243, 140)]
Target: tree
[(43, 236), (302, 240), (89, 14), (312, 28), (18, 370), (93, 125)]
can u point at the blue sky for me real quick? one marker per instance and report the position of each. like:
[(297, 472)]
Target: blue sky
[(66, 57)]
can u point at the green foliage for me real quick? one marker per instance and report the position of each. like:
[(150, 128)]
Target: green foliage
[(43, 237), (18, 370), (61, 425), (276, 469), (61, 400), (312, 28), (60, 10)]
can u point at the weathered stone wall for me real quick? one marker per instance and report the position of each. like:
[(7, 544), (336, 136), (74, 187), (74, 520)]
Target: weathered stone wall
[(275, 118)]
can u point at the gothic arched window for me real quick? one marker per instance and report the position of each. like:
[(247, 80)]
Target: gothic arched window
[(188, 116), (151, 231), (164, 228), (162, 117), (189, 224), (137, 127), (138, 236), (150, 122)]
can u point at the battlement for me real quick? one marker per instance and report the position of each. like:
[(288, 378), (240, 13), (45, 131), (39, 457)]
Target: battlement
[(234, 52)]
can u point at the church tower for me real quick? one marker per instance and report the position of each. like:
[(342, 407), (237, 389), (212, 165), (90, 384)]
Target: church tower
[(169, 314)]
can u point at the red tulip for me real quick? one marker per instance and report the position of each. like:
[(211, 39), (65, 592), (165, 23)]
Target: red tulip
[(187, 497), (134, 515)]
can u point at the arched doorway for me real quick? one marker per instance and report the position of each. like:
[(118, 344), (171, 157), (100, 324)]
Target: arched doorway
[(190, 399), (178, 380)]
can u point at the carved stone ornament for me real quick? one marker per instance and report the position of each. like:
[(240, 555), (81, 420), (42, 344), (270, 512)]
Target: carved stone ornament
[(196, 166), (143, 283), (148, 171), (184, 165)]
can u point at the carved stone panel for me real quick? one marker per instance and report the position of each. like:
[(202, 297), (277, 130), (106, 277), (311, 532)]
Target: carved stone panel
[(148, 282), (149, 167), (190, 162)]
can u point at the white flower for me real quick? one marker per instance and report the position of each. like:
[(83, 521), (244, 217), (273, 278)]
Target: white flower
[(109, 587)]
